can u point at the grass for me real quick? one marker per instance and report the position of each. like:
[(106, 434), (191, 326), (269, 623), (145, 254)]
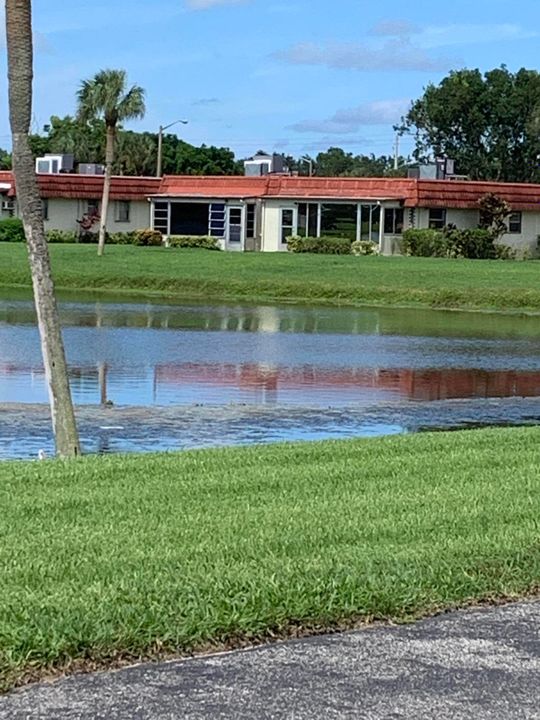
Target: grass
[(125, 557), (192, 274)]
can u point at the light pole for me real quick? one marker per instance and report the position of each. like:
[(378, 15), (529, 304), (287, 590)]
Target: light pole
[(309, 161), (160, 143)]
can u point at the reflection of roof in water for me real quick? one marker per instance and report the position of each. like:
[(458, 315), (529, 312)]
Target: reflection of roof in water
[(413, 384)]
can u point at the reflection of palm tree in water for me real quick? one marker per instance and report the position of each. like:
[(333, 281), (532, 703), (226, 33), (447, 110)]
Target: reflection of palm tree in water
[(102, 379)]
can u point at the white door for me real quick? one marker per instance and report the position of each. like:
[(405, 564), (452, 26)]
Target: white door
[(235, 227)]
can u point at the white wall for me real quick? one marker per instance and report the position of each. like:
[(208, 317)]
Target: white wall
[(525, 242), (64, 213)]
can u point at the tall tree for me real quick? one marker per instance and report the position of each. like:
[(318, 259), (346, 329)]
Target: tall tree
[(20, 73), (488, 123), (106, 96)]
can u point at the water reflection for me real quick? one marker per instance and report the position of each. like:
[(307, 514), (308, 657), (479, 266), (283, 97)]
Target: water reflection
[(218, 384), (143, 355), (17, 309)]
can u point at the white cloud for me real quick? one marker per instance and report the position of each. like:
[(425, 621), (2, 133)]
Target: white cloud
[(395, 28), (433, 36), (402, 46), (350, 120), (395, 54), (204, 102), (206, 4)]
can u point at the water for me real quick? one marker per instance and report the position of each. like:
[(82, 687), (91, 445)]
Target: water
[(280, 359)]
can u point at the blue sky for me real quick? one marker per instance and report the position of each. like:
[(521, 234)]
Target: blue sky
[(289, 75)]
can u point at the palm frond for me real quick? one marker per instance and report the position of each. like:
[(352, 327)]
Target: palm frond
[(104, 96)]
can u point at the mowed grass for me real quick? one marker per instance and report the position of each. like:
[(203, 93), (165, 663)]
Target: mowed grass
[(124, 557), (256, 277)]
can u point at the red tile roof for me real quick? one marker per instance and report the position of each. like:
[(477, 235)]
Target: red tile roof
[(466, 194), (413, 193), (91, 186), (342, 188), (211, 186)]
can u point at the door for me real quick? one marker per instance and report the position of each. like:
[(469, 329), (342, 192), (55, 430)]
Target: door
[(235, 228)]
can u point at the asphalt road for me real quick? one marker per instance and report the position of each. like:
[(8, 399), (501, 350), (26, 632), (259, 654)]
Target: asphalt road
[(470, 665)]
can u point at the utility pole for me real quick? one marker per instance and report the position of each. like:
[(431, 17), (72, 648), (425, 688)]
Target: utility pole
[(160, 144), (309, 162), (396, 153)]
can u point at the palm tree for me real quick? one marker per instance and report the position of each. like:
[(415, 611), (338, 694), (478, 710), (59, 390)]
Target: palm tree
[(20, 73), (106, 96)]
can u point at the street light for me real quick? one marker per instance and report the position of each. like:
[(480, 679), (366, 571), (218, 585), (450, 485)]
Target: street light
[(309, 161), (160, 143)]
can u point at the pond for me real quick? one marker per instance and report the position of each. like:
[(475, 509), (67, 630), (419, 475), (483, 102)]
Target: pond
[(274, 372)]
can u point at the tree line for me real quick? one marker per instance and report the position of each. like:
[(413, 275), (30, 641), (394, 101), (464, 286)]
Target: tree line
[(488, 123), (136, 153)]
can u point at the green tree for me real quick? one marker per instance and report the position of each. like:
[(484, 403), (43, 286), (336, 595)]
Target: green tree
[(338, 163), (20, 73), (107, 97), (489, 123), (5, 160), (334, 162)]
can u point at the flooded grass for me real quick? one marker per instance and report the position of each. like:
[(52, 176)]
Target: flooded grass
[(181, 274), (126, 557)]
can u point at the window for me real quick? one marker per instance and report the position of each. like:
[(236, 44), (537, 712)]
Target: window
[(370, 222), (92, 208), (514, 223), (190, 218), (45, 208), (308, 219), (437, 218), (339, 220), (250, 221), (123, 208), (161, 217), (287, 223), (217, 220), (393, 221)]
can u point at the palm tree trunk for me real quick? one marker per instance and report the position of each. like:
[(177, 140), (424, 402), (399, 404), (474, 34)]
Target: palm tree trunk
[(20, 72), (109, 159)]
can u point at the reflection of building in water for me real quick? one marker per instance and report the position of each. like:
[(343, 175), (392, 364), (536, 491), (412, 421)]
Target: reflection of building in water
[(409, 384), (269, 383)]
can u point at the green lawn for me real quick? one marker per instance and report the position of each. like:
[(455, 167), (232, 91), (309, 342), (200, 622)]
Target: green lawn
[(185, 274), (142, 555)]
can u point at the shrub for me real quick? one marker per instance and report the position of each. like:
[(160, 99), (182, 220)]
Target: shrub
[(505, 252), (11, 230), (474, 244), (146, 238), (62, 236), (424, 243), (194, 241), (364, 247), (120, 238), (90, 238), (322, 245)]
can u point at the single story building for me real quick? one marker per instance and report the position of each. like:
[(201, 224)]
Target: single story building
[(259, 213)]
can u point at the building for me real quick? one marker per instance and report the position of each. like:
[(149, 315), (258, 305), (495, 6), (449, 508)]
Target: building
[(260, 212)]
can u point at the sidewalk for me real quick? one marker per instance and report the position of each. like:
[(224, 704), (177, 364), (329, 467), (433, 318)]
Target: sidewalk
[(471, 665)]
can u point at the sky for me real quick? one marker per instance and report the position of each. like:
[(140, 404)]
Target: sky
[(292, 76)]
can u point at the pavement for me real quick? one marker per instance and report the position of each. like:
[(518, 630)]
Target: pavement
[(469, 665)]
